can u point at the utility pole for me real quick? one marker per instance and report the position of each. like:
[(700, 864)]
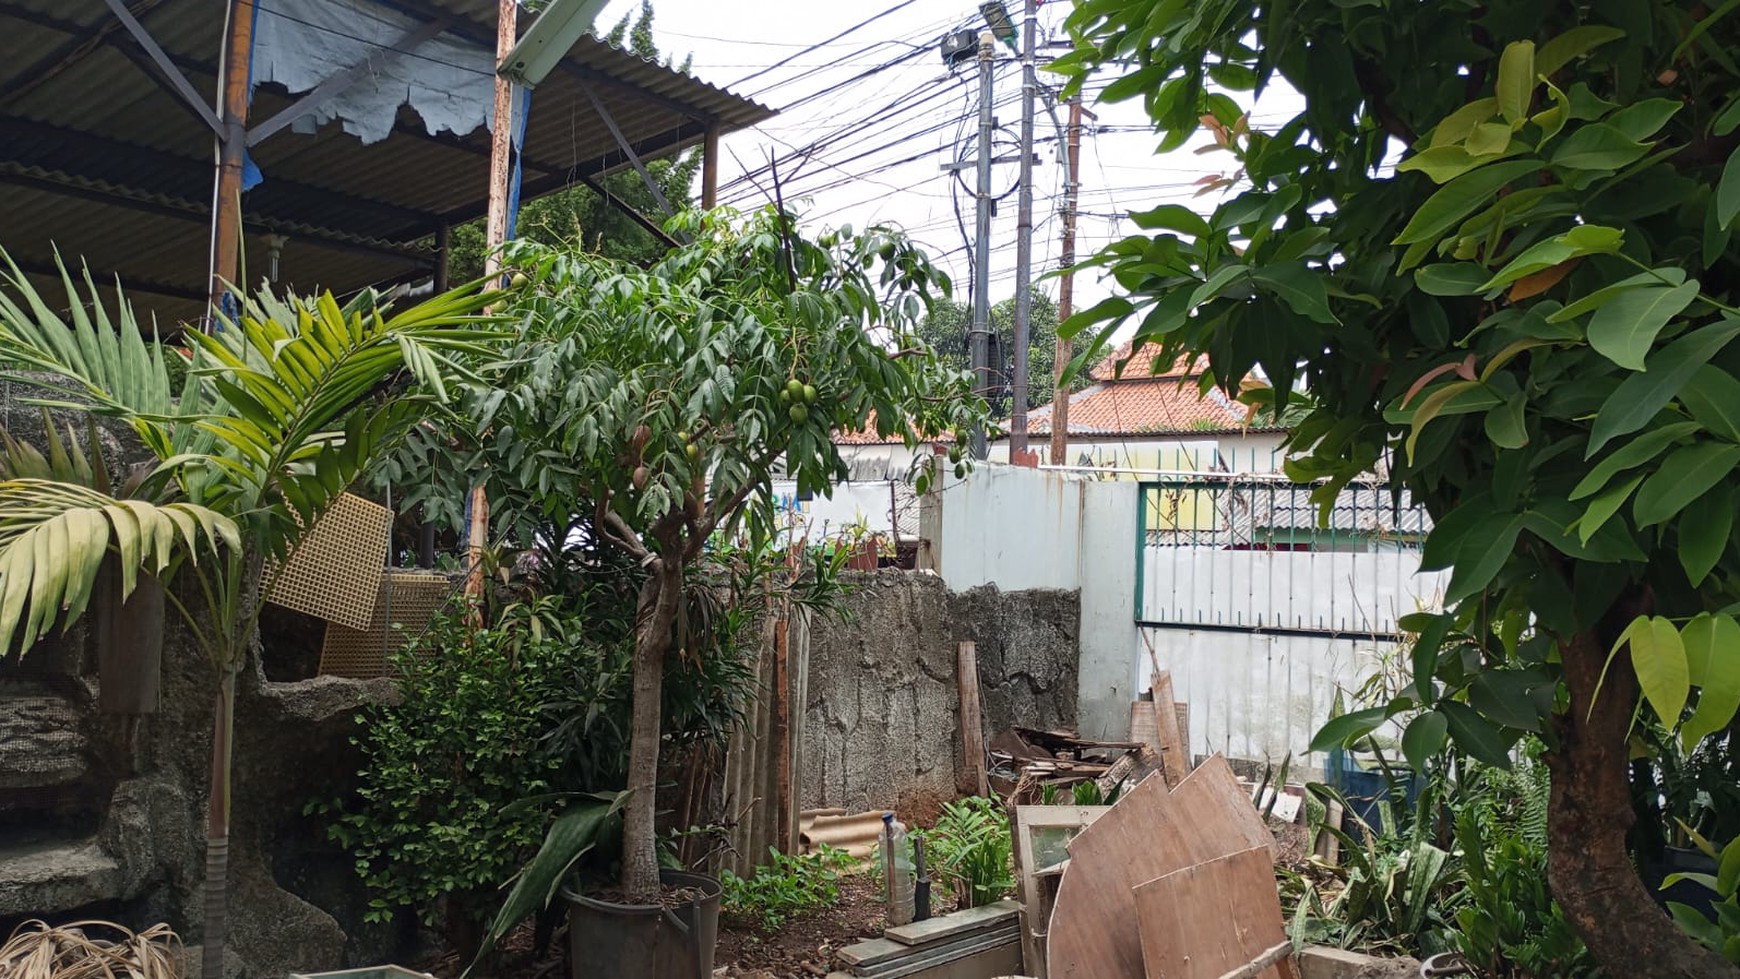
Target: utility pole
[(980, 337), (501, 143), (1024, 240), (1066, 288)]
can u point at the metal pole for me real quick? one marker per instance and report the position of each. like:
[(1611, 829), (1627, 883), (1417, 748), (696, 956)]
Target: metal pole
[(226, 235), (981, 332), (500, 166), (1024, 241), (1066, 287)]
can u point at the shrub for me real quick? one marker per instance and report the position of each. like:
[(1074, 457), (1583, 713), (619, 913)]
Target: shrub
[(786, 888), (435, 815), (970, 849)]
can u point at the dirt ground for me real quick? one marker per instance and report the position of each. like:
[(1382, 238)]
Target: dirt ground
[(805, 947)]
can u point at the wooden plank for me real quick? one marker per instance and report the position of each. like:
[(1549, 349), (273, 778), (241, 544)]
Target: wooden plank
[(1144, 727), (1213, 919), (1151, 832), (1173, 751), (972, 728), (954, 924)]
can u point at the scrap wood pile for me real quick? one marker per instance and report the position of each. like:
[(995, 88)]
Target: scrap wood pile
[(1166, 883), (1025, 761)]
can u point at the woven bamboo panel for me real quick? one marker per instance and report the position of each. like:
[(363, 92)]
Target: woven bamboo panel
[(335, 573), (407, 602)]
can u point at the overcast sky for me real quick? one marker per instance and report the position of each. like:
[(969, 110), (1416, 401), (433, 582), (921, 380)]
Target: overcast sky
[(869, 149)]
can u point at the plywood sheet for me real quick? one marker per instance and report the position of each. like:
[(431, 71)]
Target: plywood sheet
[(1150, 833), (1205, 921), (1174, 751)]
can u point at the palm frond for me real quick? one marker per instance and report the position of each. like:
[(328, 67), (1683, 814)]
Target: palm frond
[(54, 536), (107, 361), (37, 951)]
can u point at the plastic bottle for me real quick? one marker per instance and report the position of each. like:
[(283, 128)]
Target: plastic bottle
[(896, 870)]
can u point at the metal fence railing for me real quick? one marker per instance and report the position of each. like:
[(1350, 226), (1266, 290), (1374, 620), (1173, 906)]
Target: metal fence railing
[(1255, 551)]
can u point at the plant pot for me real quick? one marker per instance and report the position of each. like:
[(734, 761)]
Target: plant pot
[(645, 941), (129, 643), (1680, 860)]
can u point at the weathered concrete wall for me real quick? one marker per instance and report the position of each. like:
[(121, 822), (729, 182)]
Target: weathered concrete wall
[(882, 713)]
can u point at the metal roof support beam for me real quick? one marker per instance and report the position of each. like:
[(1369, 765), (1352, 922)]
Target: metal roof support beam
[(129, 284), (338, 83), (171, 74), (84, 43), (622, 142), (199, 211), (651, 226)]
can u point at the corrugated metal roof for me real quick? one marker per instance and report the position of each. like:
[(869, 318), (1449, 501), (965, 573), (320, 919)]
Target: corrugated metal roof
[(104, 163)]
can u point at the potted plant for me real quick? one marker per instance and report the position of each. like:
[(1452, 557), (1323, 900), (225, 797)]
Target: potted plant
[(668, 395)]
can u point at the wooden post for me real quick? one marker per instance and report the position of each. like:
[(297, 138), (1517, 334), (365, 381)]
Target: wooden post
[(1173, 751), (1066, 289), (501, 143), (783, 828), (226, 229), (710, 168), (972, 729)]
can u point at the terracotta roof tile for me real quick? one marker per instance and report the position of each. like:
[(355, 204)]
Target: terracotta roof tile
[(1139, 365), (1152, 405)]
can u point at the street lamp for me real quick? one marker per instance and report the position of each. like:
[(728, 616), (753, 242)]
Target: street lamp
[(998, 20), (549, 40)]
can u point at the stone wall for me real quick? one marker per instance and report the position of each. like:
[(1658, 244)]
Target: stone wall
[(104, 815), (881, 712)]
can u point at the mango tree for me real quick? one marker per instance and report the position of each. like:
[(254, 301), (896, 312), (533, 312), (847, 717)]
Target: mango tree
[(1495, 250), (672, 395)]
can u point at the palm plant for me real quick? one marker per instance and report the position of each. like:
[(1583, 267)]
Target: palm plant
[(279, 412)]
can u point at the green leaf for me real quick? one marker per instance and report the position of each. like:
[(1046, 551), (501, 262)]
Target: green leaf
[(1457, 125), (1424, 738), (1598, 146), (1425, 654), (1625, 327), (1640, 120), (1704, 528), (1347, 728), (1683, 477), (1728, 192), (1516, 81), (1488, 139), (1457, 398), (1505, 425), (1574, 43), (1634, 453), (1728, 871), (1729, 120), (1671, 275), (1450, 278), (1482, 554), (1299, 287), (1444, 163), (1640, 397), (1476, 735), (1503, 696), (1217, 282), (1585, 239), (1659, 659), (1456, 199), (1712, 644), (1603, 507), (1171, 217)]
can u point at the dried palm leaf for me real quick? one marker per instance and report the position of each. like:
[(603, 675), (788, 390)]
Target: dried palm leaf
[(38, 951)]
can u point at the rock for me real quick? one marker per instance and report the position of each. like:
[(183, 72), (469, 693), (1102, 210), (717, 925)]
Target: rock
[(41, 742), (36, 878)]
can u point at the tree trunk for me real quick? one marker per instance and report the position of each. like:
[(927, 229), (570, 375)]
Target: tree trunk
[(215, 930), (1589, 866), (658, 611)]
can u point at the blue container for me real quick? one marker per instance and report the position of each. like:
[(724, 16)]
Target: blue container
[(1364, 790)]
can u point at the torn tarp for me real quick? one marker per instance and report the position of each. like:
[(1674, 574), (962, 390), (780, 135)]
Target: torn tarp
[(301, 43)]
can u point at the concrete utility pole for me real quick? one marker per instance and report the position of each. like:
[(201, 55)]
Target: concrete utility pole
[(501, 144), (980, 336), (1066, 288), (1024, 239)]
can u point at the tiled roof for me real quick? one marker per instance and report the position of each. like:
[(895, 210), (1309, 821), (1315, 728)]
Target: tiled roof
[(1140, 365), (1151, 405)]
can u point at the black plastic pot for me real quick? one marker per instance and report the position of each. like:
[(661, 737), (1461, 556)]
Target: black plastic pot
[(644, 941)]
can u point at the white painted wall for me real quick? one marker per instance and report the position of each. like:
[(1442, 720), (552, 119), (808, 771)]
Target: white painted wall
[(1346, 591), (1014, 528), (1255, 696), (824, 516), (1107, 677)]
